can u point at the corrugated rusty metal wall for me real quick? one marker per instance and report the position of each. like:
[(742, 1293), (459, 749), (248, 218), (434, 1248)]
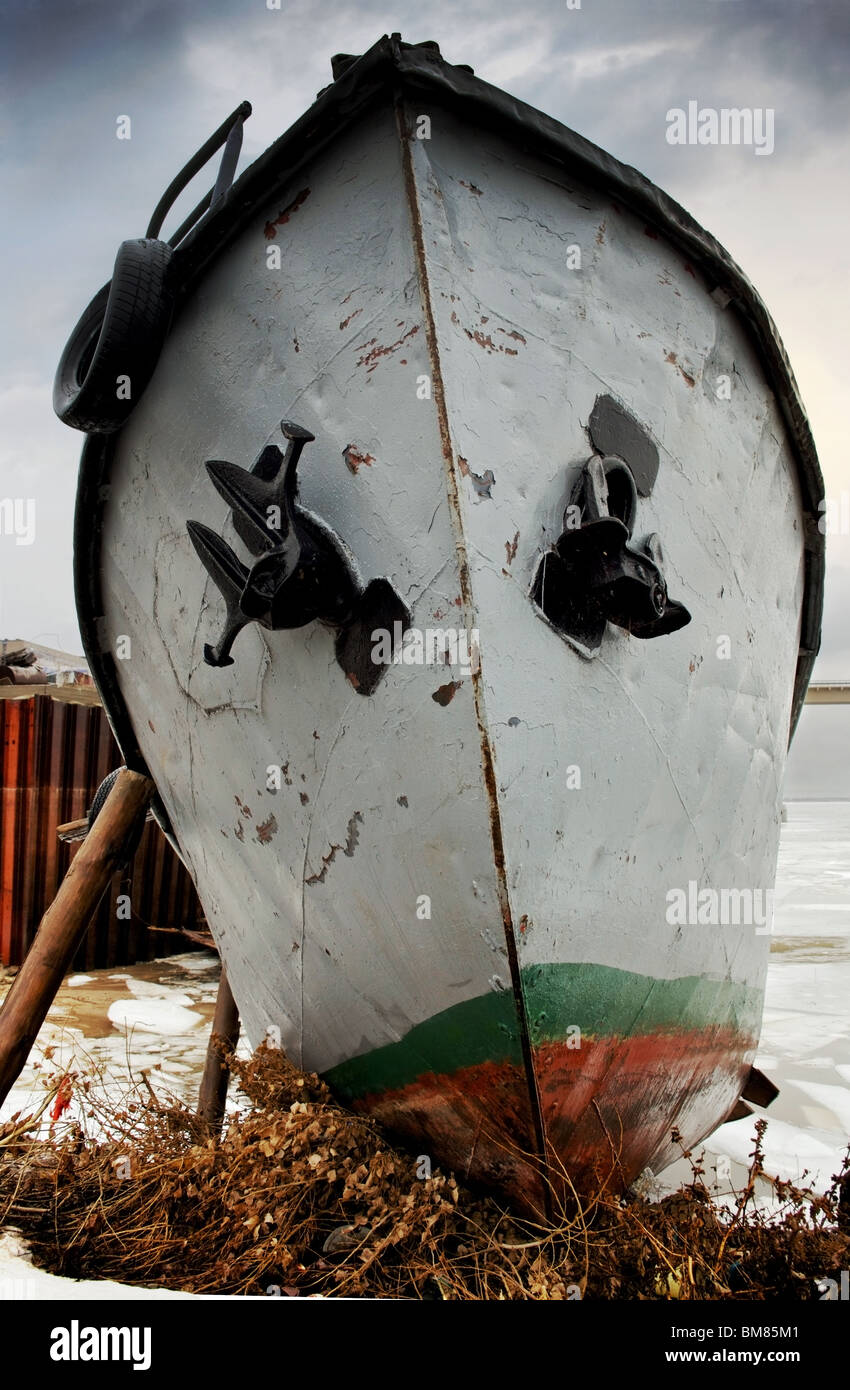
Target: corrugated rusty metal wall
[(55, 753)]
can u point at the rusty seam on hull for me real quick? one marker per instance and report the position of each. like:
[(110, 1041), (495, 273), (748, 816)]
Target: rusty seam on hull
[(487, 762)]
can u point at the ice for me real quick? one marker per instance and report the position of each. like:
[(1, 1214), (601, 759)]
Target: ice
[(834, 1100), (149, 989), (789, 1150), (812, 894), (806, 1025), (195, 962), (153, 1015)]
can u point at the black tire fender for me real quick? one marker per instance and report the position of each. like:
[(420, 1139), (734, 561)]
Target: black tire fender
[(119, 336), (101, 794)]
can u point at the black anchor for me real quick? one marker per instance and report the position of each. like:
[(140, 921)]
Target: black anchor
[(302, 571), (593, 576)]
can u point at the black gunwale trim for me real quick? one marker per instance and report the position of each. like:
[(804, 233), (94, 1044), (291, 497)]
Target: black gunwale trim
[(386, 70)]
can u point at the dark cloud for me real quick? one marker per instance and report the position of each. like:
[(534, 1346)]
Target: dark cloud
[(791, 55), (47, 40)]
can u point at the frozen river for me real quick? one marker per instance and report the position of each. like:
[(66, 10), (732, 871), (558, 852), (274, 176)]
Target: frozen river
[(805, 1040)]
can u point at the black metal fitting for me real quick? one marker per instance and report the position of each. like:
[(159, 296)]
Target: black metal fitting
[(302, 571), (593, 576)]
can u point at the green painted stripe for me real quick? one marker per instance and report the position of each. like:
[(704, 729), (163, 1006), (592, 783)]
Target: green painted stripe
[(602, 1001), (479, 1030), (605, 1001)]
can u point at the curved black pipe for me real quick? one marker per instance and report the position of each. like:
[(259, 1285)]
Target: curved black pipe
[(188, 172)]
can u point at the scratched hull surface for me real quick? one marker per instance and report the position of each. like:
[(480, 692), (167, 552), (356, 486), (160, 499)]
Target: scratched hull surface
[(455, 904)]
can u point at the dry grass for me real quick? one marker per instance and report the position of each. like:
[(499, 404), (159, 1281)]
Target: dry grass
[(301, 1196)]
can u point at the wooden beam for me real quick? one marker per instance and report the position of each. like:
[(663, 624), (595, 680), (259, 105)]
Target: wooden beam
[(216, 1078), (66, 694), (74, 830), (66, 920), (824, 693)]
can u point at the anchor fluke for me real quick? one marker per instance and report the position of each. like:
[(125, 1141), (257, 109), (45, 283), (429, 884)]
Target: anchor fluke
[(220, 562), (230, 576), (254, 501)]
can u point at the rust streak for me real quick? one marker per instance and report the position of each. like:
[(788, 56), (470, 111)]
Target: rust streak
[(266, 829), (285, 214), (356, 458), (485, 341), (674, 361), (446, 693), (482, 339), (371, 358)]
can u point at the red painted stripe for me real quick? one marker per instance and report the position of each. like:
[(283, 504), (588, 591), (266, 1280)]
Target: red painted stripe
[(609, 1108)]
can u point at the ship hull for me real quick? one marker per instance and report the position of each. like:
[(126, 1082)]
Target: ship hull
[(467, 899)]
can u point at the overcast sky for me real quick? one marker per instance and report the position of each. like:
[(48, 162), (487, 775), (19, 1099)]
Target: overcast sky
[(610, 69)]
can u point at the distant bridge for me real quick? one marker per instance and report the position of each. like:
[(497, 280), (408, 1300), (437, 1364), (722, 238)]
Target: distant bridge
[(827, 693)]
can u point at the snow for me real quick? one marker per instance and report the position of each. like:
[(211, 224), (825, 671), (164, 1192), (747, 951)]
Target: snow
[(20, 1279), (120, 1024)]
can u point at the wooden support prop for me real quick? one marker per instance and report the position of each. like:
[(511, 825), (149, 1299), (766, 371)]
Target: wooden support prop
[(65, 922), (216, 1078)]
